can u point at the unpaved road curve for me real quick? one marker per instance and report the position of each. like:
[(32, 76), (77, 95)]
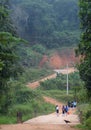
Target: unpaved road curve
[(37, 83), (63, 71), (46, 122)]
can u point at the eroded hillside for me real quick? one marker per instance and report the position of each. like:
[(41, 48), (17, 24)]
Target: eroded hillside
[(59, 59)]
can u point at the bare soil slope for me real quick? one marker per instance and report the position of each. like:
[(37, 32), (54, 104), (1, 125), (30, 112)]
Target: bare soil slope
[(59, 59)]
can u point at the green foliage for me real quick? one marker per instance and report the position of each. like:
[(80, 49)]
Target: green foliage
[(5, 21), (8, 56), (7, 119), (29, 110), (75, 85), (22, 98), (33, 74), (84, 47), (28, 57), (61, 81), (19, 93), (60, 95), (85, 115), (88, 114), (8, 61), (39, 48), (51, 24), (52, 84), (82, 96), (88, 123)]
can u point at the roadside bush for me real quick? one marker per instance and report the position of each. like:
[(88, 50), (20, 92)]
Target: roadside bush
[(59, 95), (29, 110), (24, 108), (7, 119), (54, 84), (33, 74), (88, 114), (84, 112), (88, 123), (82, 95)]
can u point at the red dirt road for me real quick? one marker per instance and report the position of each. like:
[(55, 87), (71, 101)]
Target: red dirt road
[(37, 83), (46, 122), (37, 127), (50, 120)]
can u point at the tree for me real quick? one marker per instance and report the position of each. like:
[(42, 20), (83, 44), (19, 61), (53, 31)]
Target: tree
[(52, 23), (84, 47), (8, 57)]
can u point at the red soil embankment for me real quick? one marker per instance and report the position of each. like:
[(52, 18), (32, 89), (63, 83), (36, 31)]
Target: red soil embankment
[(59, 59)]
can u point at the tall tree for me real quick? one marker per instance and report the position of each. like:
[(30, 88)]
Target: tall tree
[(84, 47), (8, 55), (52, 23)]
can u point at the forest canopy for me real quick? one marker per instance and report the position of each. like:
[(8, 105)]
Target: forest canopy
[(52, 23)]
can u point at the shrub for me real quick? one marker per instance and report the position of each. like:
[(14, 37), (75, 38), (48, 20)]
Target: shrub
[(88, 114), (88, 123)]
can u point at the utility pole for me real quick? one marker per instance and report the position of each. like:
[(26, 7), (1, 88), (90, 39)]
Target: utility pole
[(67, 81)]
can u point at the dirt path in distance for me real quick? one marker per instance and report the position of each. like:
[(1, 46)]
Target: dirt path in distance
[(37, 83), (46, 122)]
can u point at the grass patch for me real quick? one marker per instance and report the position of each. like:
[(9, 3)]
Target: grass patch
[(80, 126), (29, 110), (59, 95), (7, 119)]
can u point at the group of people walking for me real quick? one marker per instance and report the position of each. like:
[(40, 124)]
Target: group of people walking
[(65, 108), (72, 104)]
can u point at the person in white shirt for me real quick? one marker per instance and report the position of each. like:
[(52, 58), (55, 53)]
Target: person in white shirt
[(57, 110)]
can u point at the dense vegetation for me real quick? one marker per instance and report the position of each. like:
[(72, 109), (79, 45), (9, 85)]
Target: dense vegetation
[(45, 24), (60, 83), (84, 51), (84, 48), (48, 22), (8, 58), (14, 96)]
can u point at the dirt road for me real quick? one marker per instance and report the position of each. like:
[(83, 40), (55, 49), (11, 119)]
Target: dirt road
[(37, 127), (53, 118), (47, 122), (63, 71), (36, 84)]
